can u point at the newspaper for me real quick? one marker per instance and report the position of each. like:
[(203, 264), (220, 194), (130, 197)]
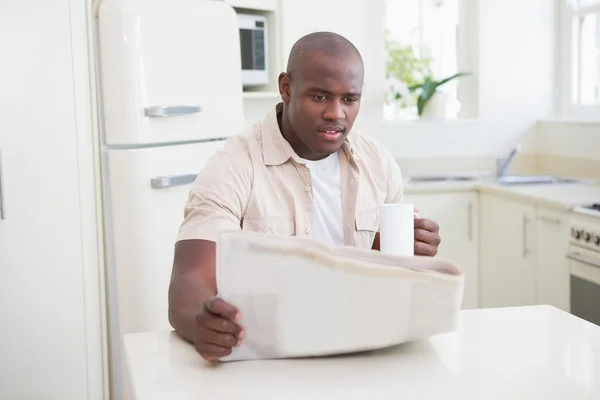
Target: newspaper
[(302, 298)]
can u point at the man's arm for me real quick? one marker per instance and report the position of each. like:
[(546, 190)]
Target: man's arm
[(192, 283), (216, 203), (376, 245)]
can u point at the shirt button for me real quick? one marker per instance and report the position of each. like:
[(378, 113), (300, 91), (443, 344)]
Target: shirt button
[(307, 189), (307, 231), (269, 232)]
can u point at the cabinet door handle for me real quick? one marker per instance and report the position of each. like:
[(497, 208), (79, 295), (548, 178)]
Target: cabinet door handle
[(2, 203), (525, 223), (470, 221), (554, 221)]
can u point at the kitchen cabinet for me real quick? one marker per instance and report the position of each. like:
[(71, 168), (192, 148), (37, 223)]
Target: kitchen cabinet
[(456, 214), (552, 269), (51, 340), (508, 252), (523, 248), (298, 18)]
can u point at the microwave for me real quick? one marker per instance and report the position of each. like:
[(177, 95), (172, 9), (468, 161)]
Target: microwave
[(254, 49)]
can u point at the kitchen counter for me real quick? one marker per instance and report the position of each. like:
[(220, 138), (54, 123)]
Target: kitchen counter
[(440, 187), (536, 352), (560, 196)]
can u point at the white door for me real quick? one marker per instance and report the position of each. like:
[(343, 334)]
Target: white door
[(143, 225), (48, 351), (552, 269), (508, 252), (456, 214), (170, 71)]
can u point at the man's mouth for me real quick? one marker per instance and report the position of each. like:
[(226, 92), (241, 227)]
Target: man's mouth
[(331, 129), (331, 132)]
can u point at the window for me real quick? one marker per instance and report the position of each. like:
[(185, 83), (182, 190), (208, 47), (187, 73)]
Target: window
[(423, 59), (581, 68)]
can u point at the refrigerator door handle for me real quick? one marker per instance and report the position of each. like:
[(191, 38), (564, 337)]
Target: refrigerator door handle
[(162, 182), (170, 111)]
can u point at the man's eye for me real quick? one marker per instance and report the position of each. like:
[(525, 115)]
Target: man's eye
[(319, 97), (350, 100)]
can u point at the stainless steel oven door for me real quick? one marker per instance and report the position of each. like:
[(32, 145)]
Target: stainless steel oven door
[(584, 266)]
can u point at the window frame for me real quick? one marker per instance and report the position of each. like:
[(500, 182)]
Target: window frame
[(567, 110), (468, 58)]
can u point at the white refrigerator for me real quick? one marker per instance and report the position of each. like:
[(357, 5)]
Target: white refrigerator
[(169, 75)]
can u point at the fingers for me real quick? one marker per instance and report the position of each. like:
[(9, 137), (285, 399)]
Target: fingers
[(212, 352), (218, 338), (223, 325), (220, 307), (428, 237), (210, 322), (426, 224), (425, 249), (217, 330)]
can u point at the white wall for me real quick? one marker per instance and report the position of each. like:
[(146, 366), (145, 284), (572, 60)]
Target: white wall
[(516, 84), (569, 139)]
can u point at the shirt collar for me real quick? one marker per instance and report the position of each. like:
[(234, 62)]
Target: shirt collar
[(277, 150)]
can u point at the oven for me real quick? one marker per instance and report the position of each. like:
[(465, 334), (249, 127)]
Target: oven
[(584, 266)]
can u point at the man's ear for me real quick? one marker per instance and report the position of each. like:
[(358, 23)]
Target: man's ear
[(285, 85)]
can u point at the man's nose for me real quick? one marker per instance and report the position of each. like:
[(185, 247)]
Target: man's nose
[(334, 111)]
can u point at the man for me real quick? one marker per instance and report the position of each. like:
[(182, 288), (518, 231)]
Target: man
[(301, 171)]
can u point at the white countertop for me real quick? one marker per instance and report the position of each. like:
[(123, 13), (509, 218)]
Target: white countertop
[(561, 196), (536, 352)]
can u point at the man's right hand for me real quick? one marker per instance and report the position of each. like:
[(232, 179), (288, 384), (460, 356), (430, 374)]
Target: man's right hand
[(217, 329)]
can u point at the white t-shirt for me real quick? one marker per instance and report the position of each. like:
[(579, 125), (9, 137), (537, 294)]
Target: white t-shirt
[(327, 220)]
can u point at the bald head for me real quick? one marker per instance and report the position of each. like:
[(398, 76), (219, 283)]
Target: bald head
[(321, 92), (326, 43)]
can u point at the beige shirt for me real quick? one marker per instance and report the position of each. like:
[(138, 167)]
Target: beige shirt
[(258, 183)]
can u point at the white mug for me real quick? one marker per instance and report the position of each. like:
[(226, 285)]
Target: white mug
[(397, 229)]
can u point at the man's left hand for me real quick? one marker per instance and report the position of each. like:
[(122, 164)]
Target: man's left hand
[(427, 237)]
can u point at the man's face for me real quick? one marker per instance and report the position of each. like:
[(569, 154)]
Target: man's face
[(323, 100)]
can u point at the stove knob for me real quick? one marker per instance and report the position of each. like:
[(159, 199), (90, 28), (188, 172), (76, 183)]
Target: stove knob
[(587, 237), (578, 235), (597, 240)]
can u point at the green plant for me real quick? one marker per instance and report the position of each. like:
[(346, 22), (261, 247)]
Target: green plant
[(428, 89), (405, 68), (404, 64)]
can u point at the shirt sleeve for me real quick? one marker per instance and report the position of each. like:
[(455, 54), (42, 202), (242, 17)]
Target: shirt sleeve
[(217, 199)]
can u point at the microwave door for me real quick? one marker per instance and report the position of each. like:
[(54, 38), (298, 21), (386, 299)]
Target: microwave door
[(253, 49)]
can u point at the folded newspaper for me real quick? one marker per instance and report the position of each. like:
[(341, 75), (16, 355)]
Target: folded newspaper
[(302, 298)]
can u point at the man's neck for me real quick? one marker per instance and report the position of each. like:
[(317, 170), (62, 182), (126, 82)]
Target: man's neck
[(292, 138)]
